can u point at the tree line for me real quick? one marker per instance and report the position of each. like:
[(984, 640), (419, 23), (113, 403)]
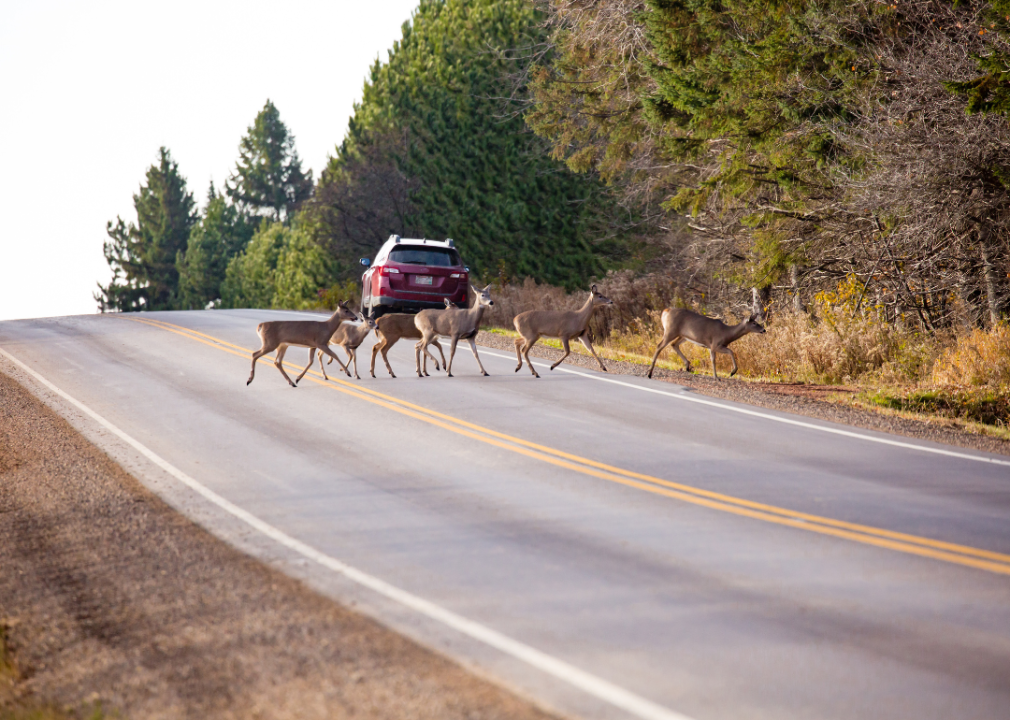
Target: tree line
[(437, 147), (782, 148), (750, 151)]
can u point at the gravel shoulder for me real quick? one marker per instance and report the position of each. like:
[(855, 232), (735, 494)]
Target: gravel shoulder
[(823, 402), (108, 595)]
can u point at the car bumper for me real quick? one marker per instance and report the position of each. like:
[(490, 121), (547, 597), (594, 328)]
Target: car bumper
[(409, 304)]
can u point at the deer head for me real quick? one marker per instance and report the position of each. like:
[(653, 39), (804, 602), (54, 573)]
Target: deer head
[(344, 313), (752, 324), (483, 296), (599, 298)]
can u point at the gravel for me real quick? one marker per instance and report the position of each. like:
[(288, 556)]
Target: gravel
[(800, 399), (108, 594)]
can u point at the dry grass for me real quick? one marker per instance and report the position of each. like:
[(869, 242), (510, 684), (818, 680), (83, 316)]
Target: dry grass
[(15, 707), (840, 340), (980, 359), (634, 297)]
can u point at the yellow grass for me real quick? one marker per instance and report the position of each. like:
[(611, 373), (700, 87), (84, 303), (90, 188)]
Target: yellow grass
[(961, 378)]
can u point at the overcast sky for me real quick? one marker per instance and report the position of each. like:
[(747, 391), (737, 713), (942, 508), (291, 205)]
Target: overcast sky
[(90, 91)]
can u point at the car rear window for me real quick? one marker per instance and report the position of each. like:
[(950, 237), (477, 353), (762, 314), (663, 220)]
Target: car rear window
[(432, 257)]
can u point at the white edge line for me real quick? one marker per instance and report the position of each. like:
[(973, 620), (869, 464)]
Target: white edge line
[(753, 413), (588, 683), (776, 418)]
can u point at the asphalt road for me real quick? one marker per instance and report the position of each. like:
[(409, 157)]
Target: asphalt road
[(608, 549)]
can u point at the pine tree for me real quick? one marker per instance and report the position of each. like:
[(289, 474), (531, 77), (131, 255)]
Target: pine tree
[(250, 280), (433, 131), (268, 177), (143, 255), (221, 233)]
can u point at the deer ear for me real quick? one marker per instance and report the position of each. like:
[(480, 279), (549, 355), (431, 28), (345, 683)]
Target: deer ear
[(486, 288), (593, 290)]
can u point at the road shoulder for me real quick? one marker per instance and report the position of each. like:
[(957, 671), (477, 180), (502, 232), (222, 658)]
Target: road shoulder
[(110, 595), (797, 399)]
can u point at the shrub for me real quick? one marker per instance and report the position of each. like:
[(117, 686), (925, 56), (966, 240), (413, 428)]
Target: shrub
[(980, 359)]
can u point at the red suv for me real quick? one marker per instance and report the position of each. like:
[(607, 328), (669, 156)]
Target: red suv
[(410, 275)]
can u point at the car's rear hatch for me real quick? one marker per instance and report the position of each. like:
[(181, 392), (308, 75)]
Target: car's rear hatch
[(424, 280), (432, 278)]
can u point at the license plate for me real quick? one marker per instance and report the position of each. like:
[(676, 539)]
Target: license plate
[(422, 279)]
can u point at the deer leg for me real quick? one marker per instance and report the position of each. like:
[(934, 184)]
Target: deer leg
[(729, 351), (519, 341), (323, 367), (452, 354), (256, 356), (417, 357), (584, 339), (526, 354), (436, 343), (279, 363), (389, 368), (375, 351), (676, 348), (326, 349), (427, 354), (312, 359), (659, 348), (352, 356), (473, 348), (715, 374), (568, 351)]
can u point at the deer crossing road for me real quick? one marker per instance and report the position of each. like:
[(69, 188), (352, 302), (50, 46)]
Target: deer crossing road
[(614, 547)]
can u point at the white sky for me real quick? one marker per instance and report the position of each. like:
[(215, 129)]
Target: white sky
[(90, 91)]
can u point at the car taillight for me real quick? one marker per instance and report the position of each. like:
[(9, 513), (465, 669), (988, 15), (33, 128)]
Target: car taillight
[(384, 271), (458, 275)]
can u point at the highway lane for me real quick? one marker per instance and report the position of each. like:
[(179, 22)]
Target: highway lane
[(699, 603)]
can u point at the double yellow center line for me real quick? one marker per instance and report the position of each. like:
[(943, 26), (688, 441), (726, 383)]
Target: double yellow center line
[(868, 535)]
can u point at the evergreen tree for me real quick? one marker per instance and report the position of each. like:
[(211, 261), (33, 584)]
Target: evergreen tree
[(456, 161), (142, 255), (303, 269), (268, 177), (250, 280), (220, 234)]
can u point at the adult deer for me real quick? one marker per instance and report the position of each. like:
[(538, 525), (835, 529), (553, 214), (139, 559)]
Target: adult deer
[(391, 328), (454, 323), (680, 325), (349, 337), (564, 325), (279, 334)]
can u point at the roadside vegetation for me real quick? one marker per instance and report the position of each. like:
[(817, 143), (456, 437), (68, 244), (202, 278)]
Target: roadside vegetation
[(842, 167), (956, 378), (16, 706)]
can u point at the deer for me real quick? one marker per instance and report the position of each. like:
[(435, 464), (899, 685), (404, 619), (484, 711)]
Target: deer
[(390, 329), (454, 323), (349, 337), (279, 334), (564, 325), (680, 325)]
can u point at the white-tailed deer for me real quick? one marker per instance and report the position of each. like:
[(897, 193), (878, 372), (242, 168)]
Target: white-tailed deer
[(454, 323), (349, 337), (393, 327), (680, 325), (279, 334), (564, 325)]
